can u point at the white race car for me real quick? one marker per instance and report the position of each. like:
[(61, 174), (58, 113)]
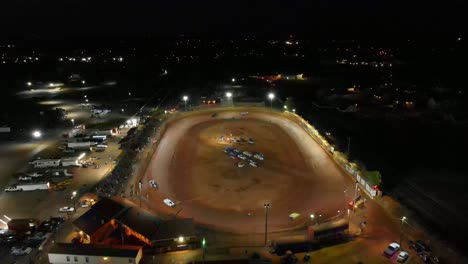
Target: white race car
[(169, 203)]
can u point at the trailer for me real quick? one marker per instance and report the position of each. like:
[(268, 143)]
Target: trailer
[(45, 163), (79, 145), (22, 225), (66, 162), (28, 187)]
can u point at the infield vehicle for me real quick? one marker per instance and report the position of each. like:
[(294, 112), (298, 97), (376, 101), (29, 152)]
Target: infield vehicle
[(169, 203)]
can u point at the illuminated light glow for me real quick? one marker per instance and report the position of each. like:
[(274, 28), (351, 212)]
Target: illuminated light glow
[(81, 156), (181, 239), (8, 218), (37, 134)]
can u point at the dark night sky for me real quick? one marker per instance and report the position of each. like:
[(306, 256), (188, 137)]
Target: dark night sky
[(114, 18)]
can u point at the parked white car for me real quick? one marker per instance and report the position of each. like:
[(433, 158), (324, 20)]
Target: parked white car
[(66, 209), (403, 256), (169, 203), (24, 178), (391, 249), (18, 251)]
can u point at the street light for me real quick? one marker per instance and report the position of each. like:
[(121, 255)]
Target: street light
[(294, 110), (37, 134), (312, 217), (185, 98), (83, 82), (74, 199), (285, 107), (73, 122), (233, 80), (29, 83), (267, 206), (271, 96), (229, 97), (403, 219)]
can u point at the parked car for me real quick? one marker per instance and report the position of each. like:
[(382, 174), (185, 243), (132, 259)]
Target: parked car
[(84, 203), (403, 256), (423, 246), (18, 251), (240, 164), (66, 209), (39, 236), (391, 249), (169, 203), (24, 178)]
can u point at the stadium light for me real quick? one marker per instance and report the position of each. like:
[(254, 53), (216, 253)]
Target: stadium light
[(185, 98), (271, 96), (37, 134)]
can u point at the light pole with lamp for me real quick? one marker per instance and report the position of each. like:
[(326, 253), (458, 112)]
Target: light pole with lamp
[(312, 218), (73, 122), (139, 191), (271, 96), (185, 98), (74, 200), (229, 97), (267, 206), (403, 219)]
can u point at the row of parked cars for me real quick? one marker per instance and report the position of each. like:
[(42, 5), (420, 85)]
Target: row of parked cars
[(422, 249), (23, 243), (244, 155)]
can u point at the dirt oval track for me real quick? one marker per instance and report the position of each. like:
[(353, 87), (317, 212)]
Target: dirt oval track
[(297, 175)]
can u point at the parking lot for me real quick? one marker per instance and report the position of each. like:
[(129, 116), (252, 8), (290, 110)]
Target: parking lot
[(65, 190)]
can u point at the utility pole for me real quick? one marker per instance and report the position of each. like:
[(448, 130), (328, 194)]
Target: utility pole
[(349, 147), (267, 206), (355, 196), (401, 229), (139, 191)]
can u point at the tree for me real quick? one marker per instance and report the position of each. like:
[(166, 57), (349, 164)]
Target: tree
[(373, 177)]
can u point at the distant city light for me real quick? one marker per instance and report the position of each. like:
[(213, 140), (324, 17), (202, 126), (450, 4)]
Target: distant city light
[(229, 95), (83, 81), (29, 83), (233, 79)]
